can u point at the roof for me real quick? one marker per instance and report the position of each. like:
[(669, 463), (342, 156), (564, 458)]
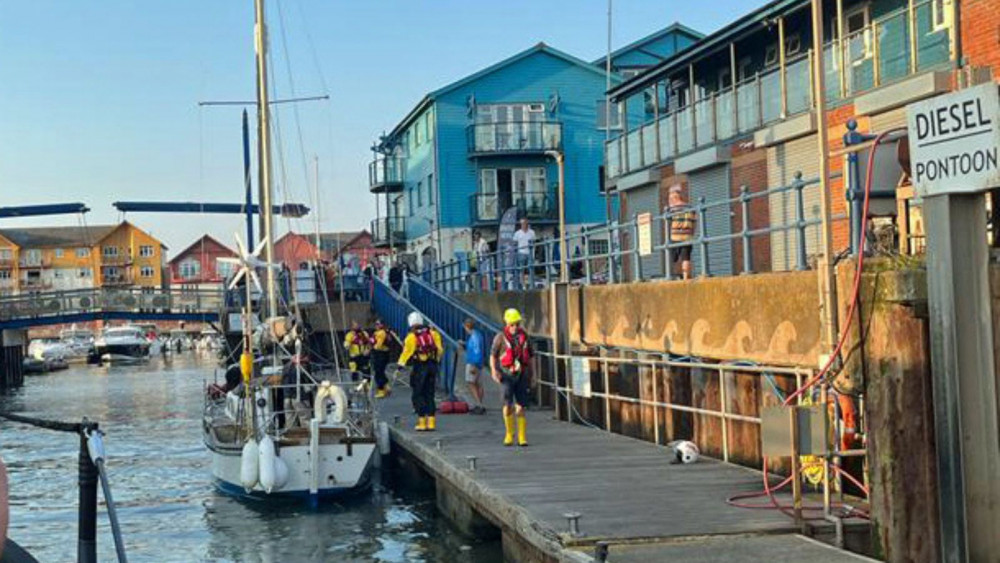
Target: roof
[(708, 44), (41, 237), (338, 240), (201, 239), (671, 29), (540, 47)]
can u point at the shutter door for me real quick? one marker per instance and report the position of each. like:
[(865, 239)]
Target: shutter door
[(783, 161), (713, 185), (647, 200)]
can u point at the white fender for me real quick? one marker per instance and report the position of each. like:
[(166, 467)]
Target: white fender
[(330, 393), (280, 473), (266, 463), (248, 465)]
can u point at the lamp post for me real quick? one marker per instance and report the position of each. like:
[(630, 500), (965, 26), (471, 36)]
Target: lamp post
[(561, 162)]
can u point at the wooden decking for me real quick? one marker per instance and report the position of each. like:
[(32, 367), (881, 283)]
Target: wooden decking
[(625, 490)]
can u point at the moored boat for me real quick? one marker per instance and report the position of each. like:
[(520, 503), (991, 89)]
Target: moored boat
[(121, 345)]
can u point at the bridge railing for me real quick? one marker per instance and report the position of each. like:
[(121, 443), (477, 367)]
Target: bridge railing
[(776, 229), (103, 300)]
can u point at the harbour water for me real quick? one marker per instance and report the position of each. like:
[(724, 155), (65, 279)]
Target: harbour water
[(168, 506)]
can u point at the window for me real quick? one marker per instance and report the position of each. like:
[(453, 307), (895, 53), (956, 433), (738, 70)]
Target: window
[(771, 55), (4, 274), (725, 78), (111, 273), (33, 257), (189, 269), (147, 271), (430, 125), (146, 251), (85, 273), (420, 194), (857, 33), (628, 73), (59, 253), (82, 252), (6, 254), (597, 246), (430, 189), (224, 269), (409, 200), (602, 115), (745, 69), (109, 251), (416, 132), (793, 44), (57, 274), (941, 12)]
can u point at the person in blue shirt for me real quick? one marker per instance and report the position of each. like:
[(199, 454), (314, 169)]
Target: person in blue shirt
[(475, 359)]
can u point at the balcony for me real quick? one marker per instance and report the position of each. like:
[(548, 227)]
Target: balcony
[(6, 263), (116, 259), (35, 285), (514, 138), (385, 175), (878, 55), (116, 281), (31, 264), (537, 207), (388, 232)]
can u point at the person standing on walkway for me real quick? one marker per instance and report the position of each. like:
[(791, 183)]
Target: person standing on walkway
[(380, 357), (423, 348), (682, 222), (358, 346), (524, 238), (510, 366), (475, 359)]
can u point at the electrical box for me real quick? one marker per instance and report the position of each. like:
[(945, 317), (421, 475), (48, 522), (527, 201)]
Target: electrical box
[(776, 430)]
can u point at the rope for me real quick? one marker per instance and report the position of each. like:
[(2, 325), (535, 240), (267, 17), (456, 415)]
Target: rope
[(56, 425)]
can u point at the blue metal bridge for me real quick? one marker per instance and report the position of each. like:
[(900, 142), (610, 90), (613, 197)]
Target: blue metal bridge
[(104, 304)]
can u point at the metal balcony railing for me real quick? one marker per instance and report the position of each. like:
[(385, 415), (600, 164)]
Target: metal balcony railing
[(891, 48), (514, 137), (536, 206), (28, 263), (386, 173), (388, 231), (116, 259)]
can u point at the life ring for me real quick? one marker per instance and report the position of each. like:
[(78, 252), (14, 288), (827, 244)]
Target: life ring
[(327, 393)]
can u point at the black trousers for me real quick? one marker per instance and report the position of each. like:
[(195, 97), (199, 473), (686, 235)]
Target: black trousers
[(422, 381), (380, 359)]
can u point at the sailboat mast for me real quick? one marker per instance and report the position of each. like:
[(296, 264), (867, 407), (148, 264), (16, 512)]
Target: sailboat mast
[(264, 153), (319, 250)]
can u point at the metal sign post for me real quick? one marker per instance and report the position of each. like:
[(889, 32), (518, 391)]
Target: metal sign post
[(953, 148)]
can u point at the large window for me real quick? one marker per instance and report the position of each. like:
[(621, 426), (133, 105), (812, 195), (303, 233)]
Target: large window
[(189, 269), (109, 251), (501, 188)]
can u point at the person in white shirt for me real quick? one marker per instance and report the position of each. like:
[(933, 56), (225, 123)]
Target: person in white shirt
[(481, 254), (525, 240)]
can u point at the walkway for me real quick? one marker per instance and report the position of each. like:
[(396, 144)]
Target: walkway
[(625, 490)]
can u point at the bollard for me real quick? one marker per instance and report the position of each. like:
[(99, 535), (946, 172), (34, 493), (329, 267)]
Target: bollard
[(472, 462), (601, 552), (573, 520), (86, 547)]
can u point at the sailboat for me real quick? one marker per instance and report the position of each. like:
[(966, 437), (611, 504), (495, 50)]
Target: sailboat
[(274, 427)]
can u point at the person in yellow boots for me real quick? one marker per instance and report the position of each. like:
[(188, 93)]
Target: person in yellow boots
[(358, 346), (422, 347), (380, 357), (510, 366)]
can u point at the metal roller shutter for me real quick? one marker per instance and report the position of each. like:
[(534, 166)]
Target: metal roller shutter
[(783, 161), (647, 200), (713, 184)]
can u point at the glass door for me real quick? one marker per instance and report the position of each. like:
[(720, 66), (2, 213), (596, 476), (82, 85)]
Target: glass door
[(486, 199)]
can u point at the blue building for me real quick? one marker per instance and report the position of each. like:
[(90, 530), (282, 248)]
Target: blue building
[(478, 146)]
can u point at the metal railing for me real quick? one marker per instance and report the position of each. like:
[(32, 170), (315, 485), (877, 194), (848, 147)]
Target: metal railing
[(27, 263), (102, 300), (513, 137), (384, 171), (388, 231), (726, 241), (120, 259), (533, 205)]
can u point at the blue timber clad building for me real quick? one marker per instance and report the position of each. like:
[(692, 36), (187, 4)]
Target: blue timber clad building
[(476, 147)]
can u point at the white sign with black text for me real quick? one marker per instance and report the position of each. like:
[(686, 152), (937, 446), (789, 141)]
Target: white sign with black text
[(953, 141)]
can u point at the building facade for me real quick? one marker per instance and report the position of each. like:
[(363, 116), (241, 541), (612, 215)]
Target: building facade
[(296, 250), (738, 110), (197, 266), (65, 258), (477, 147)]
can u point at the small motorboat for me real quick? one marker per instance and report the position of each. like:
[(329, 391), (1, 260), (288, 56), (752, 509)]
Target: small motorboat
[(121, 345), (78, 343)]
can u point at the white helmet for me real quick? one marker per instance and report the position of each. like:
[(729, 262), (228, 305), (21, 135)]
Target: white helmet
[(414, 319), (685, 452)]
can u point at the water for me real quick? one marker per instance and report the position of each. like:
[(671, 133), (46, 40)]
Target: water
[(161, 481)]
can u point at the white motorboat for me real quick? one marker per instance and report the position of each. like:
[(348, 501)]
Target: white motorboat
[(79, 343), (121, 345), (48, 348)]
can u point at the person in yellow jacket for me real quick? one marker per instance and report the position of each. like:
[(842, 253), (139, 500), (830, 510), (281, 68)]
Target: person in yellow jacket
[(510, 366), (422, 348), (358, 346), (381, 339)]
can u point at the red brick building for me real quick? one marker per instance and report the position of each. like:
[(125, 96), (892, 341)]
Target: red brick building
[(198, 266), (296, 249)]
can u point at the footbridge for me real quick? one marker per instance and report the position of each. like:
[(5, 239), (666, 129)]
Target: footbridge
[(105, 304)]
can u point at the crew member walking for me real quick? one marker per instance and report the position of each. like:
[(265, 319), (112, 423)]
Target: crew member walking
[(510, 366), (380, 357), (423, 347), (358, 346)]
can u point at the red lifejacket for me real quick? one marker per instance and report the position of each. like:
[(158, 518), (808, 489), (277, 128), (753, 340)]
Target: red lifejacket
[(518, 352), (426, 345)]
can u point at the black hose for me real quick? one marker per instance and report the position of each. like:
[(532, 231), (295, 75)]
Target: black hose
[(74, 427)]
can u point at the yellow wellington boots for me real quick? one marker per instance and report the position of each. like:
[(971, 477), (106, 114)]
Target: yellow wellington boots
[(380, 393), (421, 424), (508, 422), (522, 424), (431, 423)]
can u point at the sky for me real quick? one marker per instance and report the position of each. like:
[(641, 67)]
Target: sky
[(99, 101)]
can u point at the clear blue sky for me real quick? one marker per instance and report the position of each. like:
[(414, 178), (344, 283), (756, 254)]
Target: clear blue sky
[(98, 99)]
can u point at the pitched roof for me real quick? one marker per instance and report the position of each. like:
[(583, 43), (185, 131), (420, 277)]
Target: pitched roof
[(39, 237), (676, 27), (338, 240), (201, 239), (539, 47)]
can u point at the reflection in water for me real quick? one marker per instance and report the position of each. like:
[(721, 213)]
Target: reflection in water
[(168, 507)]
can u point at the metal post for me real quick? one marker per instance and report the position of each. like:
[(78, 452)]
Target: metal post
[(724, 409), (876, 70), (264, 152), (796, 479), (760, 99), (800, 218), (840, 59), (636, 260), (745, 208), (911, 20), (702, 235), (734, 80), (586, 256), (692, 100), (246, 179), (782, 68), (86, 547), (607, 392), (656, 409), (962, 362), (612, 246)]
